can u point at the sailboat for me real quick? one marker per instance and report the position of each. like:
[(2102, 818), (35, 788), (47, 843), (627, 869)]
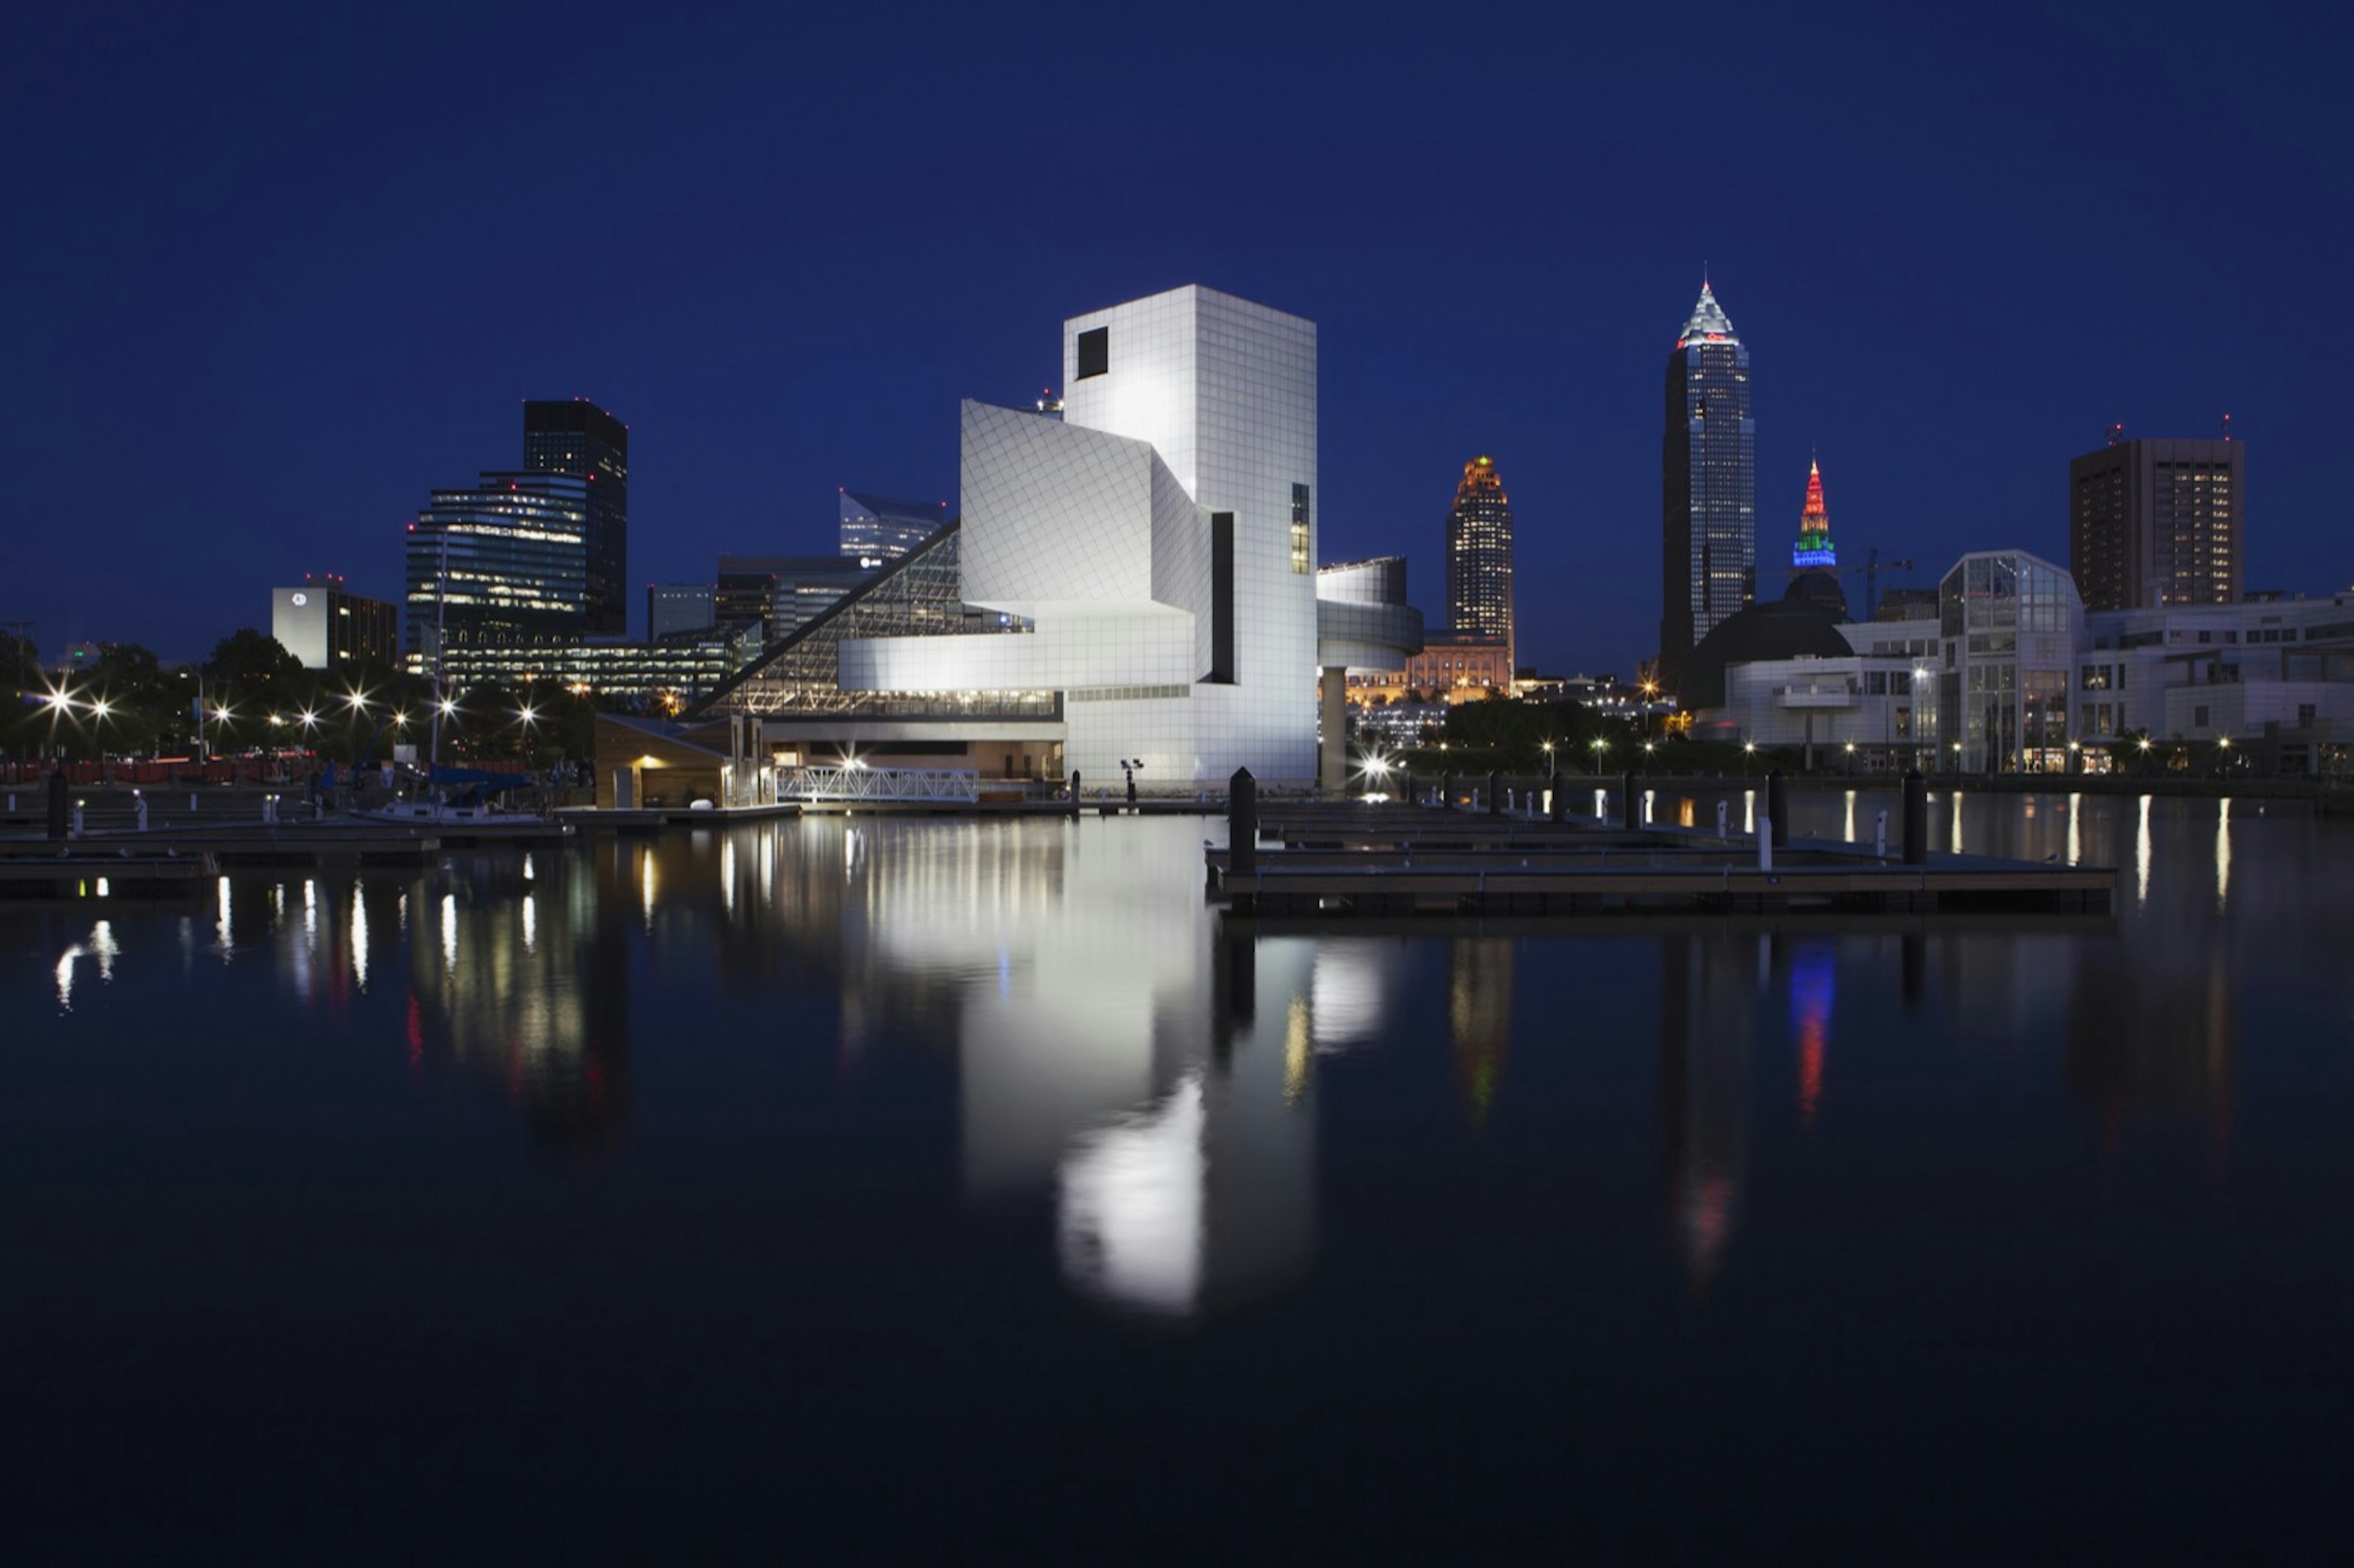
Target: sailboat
[(456, 796)]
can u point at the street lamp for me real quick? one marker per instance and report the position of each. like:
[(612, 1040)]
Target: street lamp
[(1600, 745), (1748, 751)]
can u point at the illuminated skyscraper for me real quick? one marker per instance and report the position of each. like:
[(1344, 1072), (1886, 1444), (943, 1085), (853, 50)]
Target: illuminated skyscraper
[(1479, 555), (1814, 547), (1708, 482), (580, 440)]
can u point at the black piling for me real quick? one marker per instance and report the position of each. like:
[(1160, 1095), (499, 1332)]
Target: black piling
[(1445, 791), (59, 815), (1075, 792), (1495, 792), (1242, 823), (1777, 806), (1916, 818), (1558, 800), (1630, 807)]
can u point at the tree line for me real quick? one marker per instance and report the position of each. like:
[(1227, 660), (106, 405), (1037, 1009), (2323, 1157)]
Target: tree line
[(252, 695)]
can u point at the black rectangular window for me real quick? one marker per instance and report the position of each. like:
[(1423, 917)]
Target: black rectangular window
[(1095, 352), (1222, 597)]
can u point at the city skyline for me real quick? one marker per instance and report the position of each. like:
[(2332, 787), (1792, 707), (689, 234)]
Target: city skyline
[(760, 374)]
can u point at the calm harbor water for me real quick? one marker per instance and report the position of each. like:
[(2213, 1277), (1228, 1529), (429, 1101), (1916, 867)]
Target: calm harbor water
[(859, 1189)]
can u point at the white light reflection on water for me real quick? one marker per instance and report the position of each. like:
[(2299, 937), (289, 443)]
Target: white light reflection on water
[(310, 913), (2222, 854), (727, 872), (2075, 830), (1954, 822), (101, 944), (224, 935), (2141, 855), (1848, 832), (449, 930), (359, 938), (528, 873), (646, 884), (530, 922), (1129, 1226), (1749, 810)]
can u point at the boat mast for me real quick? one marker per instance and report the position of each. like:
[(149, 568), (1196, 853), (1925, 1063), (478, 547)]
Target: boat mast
[(440, 624)]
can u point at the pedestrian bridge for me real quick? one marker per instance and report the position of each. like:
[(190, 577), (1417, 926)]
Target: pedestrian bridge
[(855, 782)]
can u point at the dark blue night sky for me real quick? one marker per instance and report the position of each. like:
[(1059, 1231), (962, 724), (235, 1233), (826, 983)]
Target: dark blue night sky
[(273, 273)]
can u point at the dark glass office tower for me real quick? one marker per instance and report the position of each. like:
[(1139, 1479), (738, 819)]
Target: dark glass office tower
[(500, 564), (1479, 555), (1709, 490), (581, 439)]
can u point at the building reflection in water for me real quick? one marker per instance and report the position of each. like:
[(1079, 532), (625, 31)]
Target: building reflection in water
[(519, 984), (1478, 1016), (1707, 1010), (1109, 1049), (1813, 977)]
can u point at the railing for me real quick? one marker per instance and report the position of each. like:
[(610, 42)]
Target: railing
[(854, 783)]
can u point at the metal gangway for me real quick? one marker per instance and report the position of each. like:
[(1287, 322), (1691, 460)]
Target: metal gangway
[(856, 781)]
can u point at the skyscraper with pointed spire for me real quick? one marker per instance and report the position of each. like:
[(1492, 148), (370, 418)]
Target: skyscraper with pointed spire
[(1814, 547), (1479, 555), (1708, 482)]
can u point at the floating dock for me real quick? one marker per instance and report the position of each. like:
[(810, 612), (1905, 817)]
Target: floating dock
[(1398, 862)]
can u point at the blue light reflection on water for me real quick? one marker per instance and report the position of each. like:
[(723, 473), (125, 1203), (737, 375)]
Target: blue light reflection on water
[(855, 1115)]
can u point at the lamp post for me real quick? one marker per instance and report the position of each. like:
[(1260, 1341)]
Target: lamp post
[(1748, 752), (1128, 766), (1600, 745)]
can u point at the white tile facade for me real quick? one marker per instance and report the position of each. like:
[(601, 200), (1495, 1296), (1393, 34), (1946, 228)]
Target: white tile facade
[(1225, 390), (1098, 528)]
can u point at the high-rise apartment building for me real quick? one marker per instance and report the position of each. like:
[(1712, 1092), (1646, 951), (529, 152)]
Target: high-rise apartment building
[(580, 440), (876, 529), (2153, 523), (1708, 482), (1479, 555)]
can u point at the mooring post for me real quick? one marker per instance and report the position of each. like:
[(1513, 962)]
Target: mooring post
[(1629, 816), (1556, 798), (1723, 819), (1405, 784), (1495, 796), (58, 804), (1777, 806), (1880, 837), (1242, 823), (1916, 818), (139, 805), (1445, 791), (1074, 794), (1765, 826)]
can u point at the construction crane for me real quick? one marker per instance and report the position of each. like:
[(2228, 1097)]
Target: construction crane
[(1870, 571)]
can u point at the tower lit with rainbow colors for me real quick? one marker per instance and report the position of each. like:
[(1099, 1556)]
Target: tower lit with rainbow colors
[(1814, 547)]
